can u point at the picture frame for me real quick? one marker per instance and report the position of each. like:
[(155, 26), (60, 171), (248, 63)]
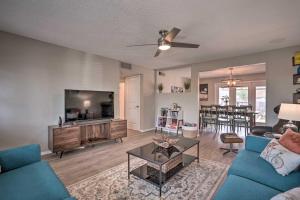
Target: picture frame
[(296, 59), (296, 79), (296, 98), (175, 89), (293, 61), (203, 92)]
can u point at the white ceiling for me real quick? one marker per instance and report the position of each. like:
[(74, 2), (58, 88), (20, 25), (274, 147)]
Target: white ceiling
[(237, 71), (222, 28)]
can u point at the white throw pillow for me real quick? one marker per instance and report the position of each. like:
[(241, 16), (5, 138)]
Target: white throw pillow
[(283, 160), (293, 194)]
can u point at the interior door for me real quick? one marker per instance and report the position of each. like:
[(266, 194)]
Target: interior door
[(132, 101), (122, 100)]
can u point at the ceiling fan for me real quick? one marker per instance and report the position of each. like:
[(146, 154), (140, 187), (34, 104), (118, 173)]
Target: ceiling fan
[(165, 42)]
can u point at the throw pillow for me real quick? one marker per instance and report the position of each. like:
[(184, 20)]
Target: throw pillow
[(293, 194), (283, 160), (291, 140)]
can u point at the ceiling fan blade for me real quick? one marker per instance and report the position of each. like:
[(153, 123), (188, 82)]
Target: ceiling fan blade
[(184, 45), (157, 53), (172, 34), (140, 45)]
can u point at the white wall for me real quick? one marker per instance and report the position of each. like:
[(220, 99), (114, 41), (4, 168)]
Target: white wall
[(33, 76), (148, 94), (279, 77), (173, 77)]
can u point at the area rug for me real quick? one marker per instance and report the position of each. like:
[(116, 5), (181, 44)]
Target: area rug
[(196, 181)]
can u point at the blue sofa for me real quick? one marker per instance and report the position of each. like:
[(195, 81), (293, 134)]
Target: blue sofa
[(25, 176), (251, 177)]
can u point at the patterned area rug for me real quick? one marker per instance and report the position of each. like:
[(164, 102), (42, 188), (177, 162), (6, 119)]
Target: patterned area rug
[(196, 181)]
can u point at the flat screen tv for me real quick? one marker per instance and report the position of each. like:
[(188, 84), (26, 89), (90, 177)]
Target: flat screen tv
[(88, 105)]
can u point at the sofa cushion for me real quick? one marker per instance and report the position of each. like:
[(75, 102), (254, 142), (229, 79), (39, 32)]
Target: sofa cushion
[(256, 143), (291, 140), (293, 194), (35, 181), (20, 156), (236, 188), (282, 159), (249, 165)]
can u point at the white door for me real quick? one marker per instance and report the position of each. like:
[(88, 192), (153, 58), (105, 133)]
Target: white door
[(122, 100), (132, 101)]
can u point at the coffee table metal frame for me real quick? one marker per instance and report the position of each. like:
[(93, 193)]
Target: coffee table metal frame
[(187, 159)]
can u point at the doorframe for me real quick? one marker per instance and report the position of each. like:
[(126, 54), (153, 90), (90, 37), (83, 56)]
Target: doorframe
[(140, 102), (122, 99)]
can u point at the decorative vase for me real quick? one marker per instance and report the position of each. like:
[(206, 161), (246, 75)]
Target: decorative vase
[(60, 121)]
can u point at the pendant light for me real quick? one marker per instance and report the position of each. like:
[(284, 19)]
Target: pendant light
[(231, 82)]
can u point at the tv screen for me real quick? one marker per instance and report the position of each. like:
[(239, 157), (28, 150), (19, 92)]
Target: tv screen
[(88, 105)]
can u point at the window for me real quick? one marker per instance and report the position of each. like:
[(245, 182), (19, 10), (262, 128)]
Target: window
[(241, 97), (247, 93), (260, 102), (223, 96)]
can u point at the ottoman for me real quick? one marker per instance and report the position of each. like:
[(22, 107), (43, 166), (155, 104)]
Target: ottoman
[(230, 138)]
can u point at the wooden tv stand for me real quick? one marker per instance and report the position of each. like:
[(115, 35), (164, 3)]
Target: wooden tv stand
[(80, 134)]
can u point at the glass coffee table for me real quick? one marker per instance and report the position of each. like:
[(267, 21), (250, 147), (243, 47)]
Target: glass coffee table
[(162, 163)]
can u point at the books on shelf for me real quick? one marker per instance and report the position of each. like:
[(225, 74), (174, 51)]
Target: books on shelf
[(173, 114), (164, 112), (162, 122), (169, 120)]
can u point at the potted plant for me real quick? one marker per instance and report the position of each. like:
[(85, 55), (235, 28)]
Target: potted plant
[(187, 84), (160, 87)]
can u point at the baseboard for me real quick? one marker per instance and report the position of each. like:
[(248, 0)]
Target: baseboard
[(146, 130)]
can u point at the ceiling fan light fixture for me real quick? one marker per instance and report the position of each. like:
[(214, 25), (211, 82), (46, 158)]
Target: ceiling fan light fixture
[(163, 44), (165, 41), (164, 47)]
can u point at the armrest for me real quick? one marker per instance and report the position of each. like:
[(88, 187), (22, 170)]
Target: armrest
[(256, 143), (18, 157), (260, 130)]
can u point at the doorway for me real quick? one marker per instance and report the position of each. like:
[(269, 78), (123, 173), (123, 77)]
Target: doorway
[(133, 102), (249, 89)]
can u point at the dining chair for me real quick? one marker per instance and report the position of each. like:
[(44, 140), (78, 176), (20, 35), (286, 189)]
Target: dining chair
[(240, 118), (249, 107), (223, 118), (208, 117)]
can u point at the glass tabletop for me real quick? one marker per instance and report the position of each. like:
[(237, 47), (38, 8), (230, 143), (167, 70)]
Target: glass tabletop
[(153, 153)]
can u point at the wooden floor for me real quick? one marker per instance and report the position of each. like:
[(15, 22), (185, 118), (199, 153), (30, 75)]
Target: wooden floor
[(83, 163)]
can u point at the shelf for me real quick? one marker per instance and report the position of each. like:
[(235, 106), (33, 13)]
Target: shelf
[(151, 174), (170, 122), (172, 127)]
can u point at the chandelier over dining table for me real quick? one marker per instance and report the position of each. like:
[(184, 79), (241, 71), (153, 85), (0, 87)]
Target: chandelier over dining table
[(231, 82)]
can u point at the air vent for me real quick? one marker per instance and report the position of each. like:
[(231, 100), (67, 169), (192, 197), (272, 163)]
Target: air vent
[(126, 65), (161, 74)]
